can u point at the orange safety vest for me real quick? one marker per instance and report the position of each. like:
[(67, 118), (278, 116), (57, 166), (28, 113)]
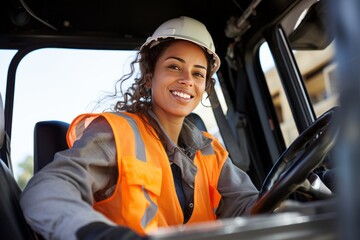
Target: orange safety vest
[(145, 197)]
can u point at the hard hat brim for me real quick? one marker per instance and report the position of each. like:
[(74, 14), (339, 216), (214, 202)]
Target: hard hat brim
[(154, 41)]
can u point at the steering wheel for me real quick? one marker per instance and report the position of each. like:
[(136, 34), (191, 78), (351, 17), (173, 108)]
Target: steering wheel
[(298, 161)]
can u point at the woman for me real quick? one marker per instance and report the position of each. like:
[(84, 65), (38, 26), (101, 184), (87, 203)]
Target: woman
[(144, 165)]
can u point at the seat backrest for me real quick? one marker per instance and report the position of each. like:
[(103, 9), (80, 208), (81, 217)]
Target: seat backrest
[(12, 222), (49, 138)]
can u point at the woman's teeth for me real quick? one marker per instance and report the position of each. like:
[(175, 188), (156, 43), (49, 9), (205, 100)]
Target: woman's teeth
[(180, 94)]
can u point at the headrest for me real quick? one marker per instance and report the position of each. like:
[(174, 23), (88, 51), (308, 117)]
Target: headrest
[(2, 122)]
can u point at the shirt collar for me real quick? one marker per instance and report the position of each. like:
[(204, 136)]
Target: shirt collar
[(191, 138)]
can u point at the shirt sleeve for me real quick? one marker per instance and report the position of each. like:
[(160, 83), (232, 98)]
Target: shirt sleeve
[(238, 193), (58, 200)]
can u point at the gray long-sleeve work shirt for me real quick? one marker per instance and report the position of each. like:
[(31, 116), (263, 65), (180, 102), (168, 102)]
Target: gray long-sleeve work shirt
[(58, 200)]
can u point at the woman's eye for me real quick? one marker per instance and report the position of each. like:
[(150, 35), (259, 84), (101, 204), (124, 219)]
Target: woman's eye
[(174, 67), (199, 74)]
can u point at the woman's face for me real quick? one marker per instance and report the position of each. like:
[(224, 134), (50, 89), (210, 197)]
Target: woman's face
[(179, 80)]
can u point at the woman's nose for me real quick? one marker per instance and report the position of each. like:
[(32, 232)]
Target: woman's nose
[(186, 78)]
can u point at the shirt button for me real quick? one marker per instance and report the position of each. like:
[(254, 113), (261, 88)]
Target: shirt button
[(191, 205)]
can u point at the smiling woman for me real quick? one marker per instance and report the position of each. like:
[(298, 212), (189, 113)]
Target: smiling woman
[(76, 81), (266, 108), (143, 165)]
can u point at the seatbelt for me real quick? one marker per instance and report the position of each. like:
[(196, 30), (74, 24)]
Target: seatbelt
[(241, 131), (238, 154)]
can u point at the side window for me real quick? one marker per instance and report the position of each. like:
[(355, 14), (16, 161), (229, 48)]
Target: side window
[(318, 71), (281, 104)]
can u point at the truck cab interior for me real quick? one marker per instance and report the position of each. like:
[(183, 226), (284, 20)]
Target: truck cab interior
[(277, 107)]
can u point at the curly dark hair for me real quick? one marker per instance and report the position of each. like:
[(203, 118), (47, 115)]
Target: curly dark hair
[(137, 98)]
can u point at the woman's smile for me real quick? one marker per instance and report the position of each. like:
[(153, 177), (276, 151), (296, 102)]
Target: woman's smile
[(182, 95)]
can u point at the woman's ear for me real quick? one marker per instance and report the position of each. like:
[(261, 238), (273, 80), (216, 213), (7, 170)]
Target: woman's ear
[(148, 81)]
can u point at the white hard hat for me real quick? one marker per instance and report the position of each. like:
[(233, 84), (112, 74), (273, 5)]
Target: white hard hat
[(189, 29)]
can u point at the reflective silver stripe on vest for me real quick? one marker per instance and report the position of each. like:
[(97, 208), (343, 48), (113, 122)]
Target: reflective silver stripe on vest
[(151, 211), (139, 143), (79, 129)]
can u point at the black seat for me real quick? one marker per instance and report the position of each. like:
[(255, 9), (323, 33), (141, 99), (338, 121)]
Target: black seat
[(12, 224), (49, 138)]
